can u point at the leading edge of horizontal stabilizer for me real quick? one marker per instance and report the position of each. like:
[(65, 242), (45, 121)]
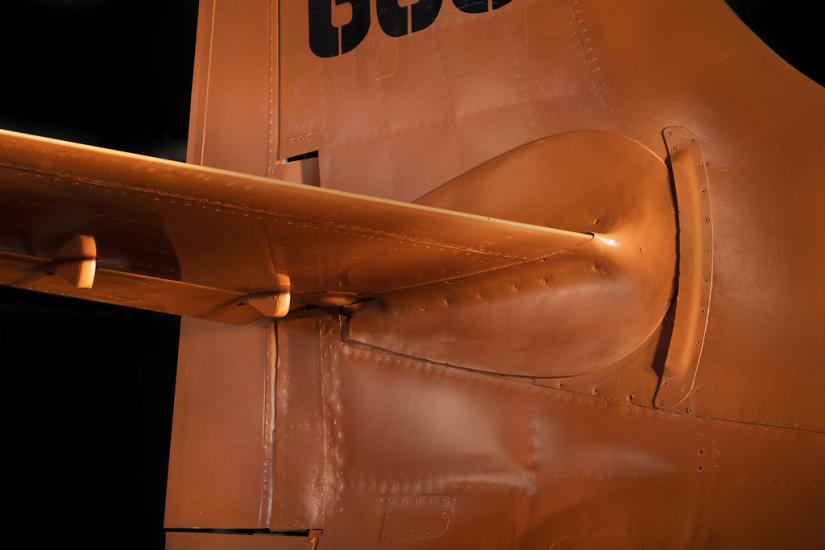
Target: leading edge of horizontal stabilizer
[(225, 246)]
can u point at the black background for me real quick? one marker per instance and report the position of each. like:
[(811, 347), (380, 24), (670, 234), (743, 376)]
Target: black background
[(87, 389), (112, 73)]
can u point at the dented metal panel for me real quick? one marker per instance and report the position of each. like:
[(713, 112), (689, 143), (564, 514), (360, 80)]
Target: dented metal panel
[(526, 466)]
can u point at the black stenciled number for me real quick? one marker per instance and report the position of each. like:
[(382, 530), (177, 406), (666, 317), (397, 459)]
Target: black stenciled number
[(478, 6), (323, 36), (354, 32), (393, 18), (424, 13)]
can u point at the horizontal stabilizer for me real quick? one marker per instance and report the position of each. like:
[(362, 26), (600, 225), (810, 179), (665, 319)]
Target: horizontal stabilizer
[(197, 241)]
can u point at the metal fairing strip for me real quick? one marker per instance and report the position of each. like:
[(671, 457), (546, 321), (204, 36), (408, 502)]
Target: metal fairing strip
[(695, 279)]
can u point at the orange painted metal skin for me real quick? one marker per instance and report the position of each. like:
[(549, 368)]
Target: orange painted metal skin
[(594, 319)]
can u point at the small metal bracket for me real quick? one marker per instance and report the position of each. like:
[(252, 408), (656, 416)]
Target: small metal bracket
[(269, 304), (695, 279), (76, 261)]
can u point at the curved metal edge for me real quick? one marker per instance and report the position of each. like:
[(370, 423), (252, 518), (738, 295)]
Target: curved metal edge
[(695, 278)]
